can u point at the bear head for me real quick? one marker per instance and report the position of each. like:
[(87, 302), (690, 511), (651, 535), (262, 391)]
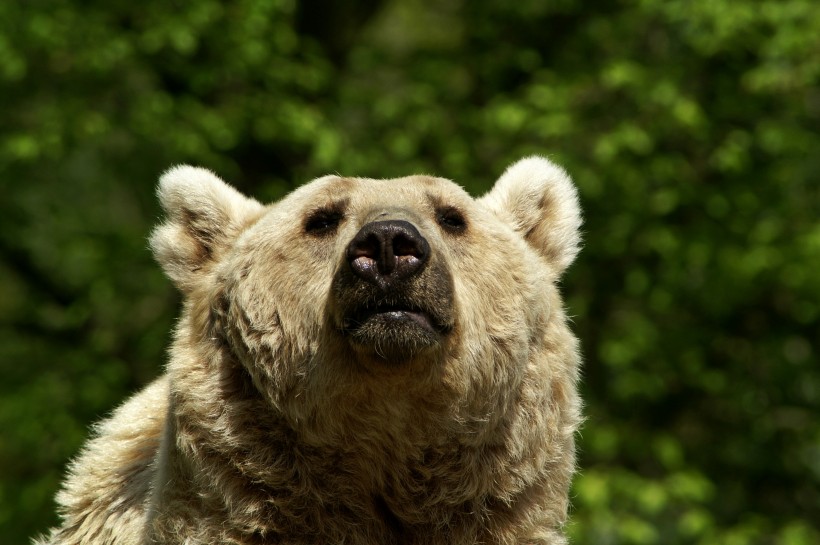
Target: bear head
[(396, 311)]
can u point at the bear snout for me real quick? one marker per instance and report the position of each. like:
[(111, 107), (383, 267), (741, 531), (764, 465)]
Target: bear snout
[(394, 297), (386, 252)]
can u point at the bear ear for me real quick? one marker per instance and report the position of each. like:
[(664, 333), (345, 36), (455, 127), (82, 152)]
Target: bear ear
[(539, 200), (203, 216)]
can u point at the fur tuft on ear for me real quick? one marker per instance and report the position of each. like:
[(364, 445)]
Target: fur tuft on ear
[(204, 214), (539, 200)]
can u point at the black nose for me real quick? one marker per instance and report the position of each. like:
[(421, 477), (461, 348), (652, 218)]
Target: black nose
[(383, 252)]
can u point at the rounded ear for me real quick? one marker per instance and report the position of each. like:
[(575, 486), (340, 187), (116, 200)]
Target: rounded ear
[(538, 199), (203, 217)]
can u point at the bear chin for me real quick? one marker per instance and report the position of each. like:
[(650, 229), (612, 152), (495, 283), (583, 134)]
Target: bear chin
[(392, 334)]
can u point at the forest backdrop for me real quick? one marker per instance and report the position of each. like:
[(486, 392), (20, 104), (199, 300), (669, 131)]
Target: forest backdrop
[(692, 128)]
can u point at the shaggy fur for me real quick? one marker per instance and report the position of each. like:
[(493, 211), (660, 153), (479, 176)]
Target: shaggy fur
[(289, 414)]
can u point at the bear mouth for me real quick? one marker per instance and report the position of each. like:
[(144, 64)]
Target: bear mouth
[(394, 331)]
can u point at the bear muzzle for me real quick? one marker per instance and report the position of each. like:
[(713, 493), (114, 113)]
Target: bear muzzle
[(395, 299)]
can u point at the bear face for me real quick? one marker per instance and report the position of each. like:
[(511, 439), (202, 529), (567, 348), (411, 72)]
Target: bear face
[(365, 361), (352, 297)]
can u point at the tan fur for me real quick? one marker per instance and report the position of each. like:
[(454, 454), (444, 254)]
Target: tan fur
[(272, 426)]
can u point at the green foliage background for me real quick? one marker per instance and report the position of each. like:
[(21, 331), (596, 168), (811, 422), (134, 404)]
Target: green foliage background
[(690, 127)]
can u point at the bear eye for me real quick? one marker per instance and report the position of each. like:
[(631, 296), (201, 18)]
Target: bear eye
[(323, 221), (451, 219)]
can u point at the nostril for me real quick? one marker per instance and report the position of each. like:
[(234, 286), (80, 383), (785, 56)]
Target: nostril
[(405, 246), (368, 246)]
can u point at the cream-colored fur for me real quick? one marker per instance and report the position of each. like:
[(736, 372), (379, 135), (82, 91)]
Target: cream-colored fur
[(273, 424)]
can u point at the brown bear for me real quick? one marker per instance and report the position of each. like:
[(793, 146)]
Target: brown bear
[(363, 362)]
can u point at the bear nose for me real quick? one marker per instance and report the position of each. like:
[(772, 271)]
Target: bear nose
[(386, 251)]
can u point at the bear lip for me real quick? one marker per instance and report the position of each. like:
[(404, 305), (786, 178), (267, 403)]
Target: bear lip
[(394, 313)]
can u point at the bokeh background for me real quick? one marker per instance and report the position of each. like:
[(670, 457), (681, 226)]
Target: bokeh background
[(692, 128)]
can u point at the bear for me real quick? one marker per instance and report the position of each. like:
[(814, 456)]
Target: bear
[(365, 361)]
